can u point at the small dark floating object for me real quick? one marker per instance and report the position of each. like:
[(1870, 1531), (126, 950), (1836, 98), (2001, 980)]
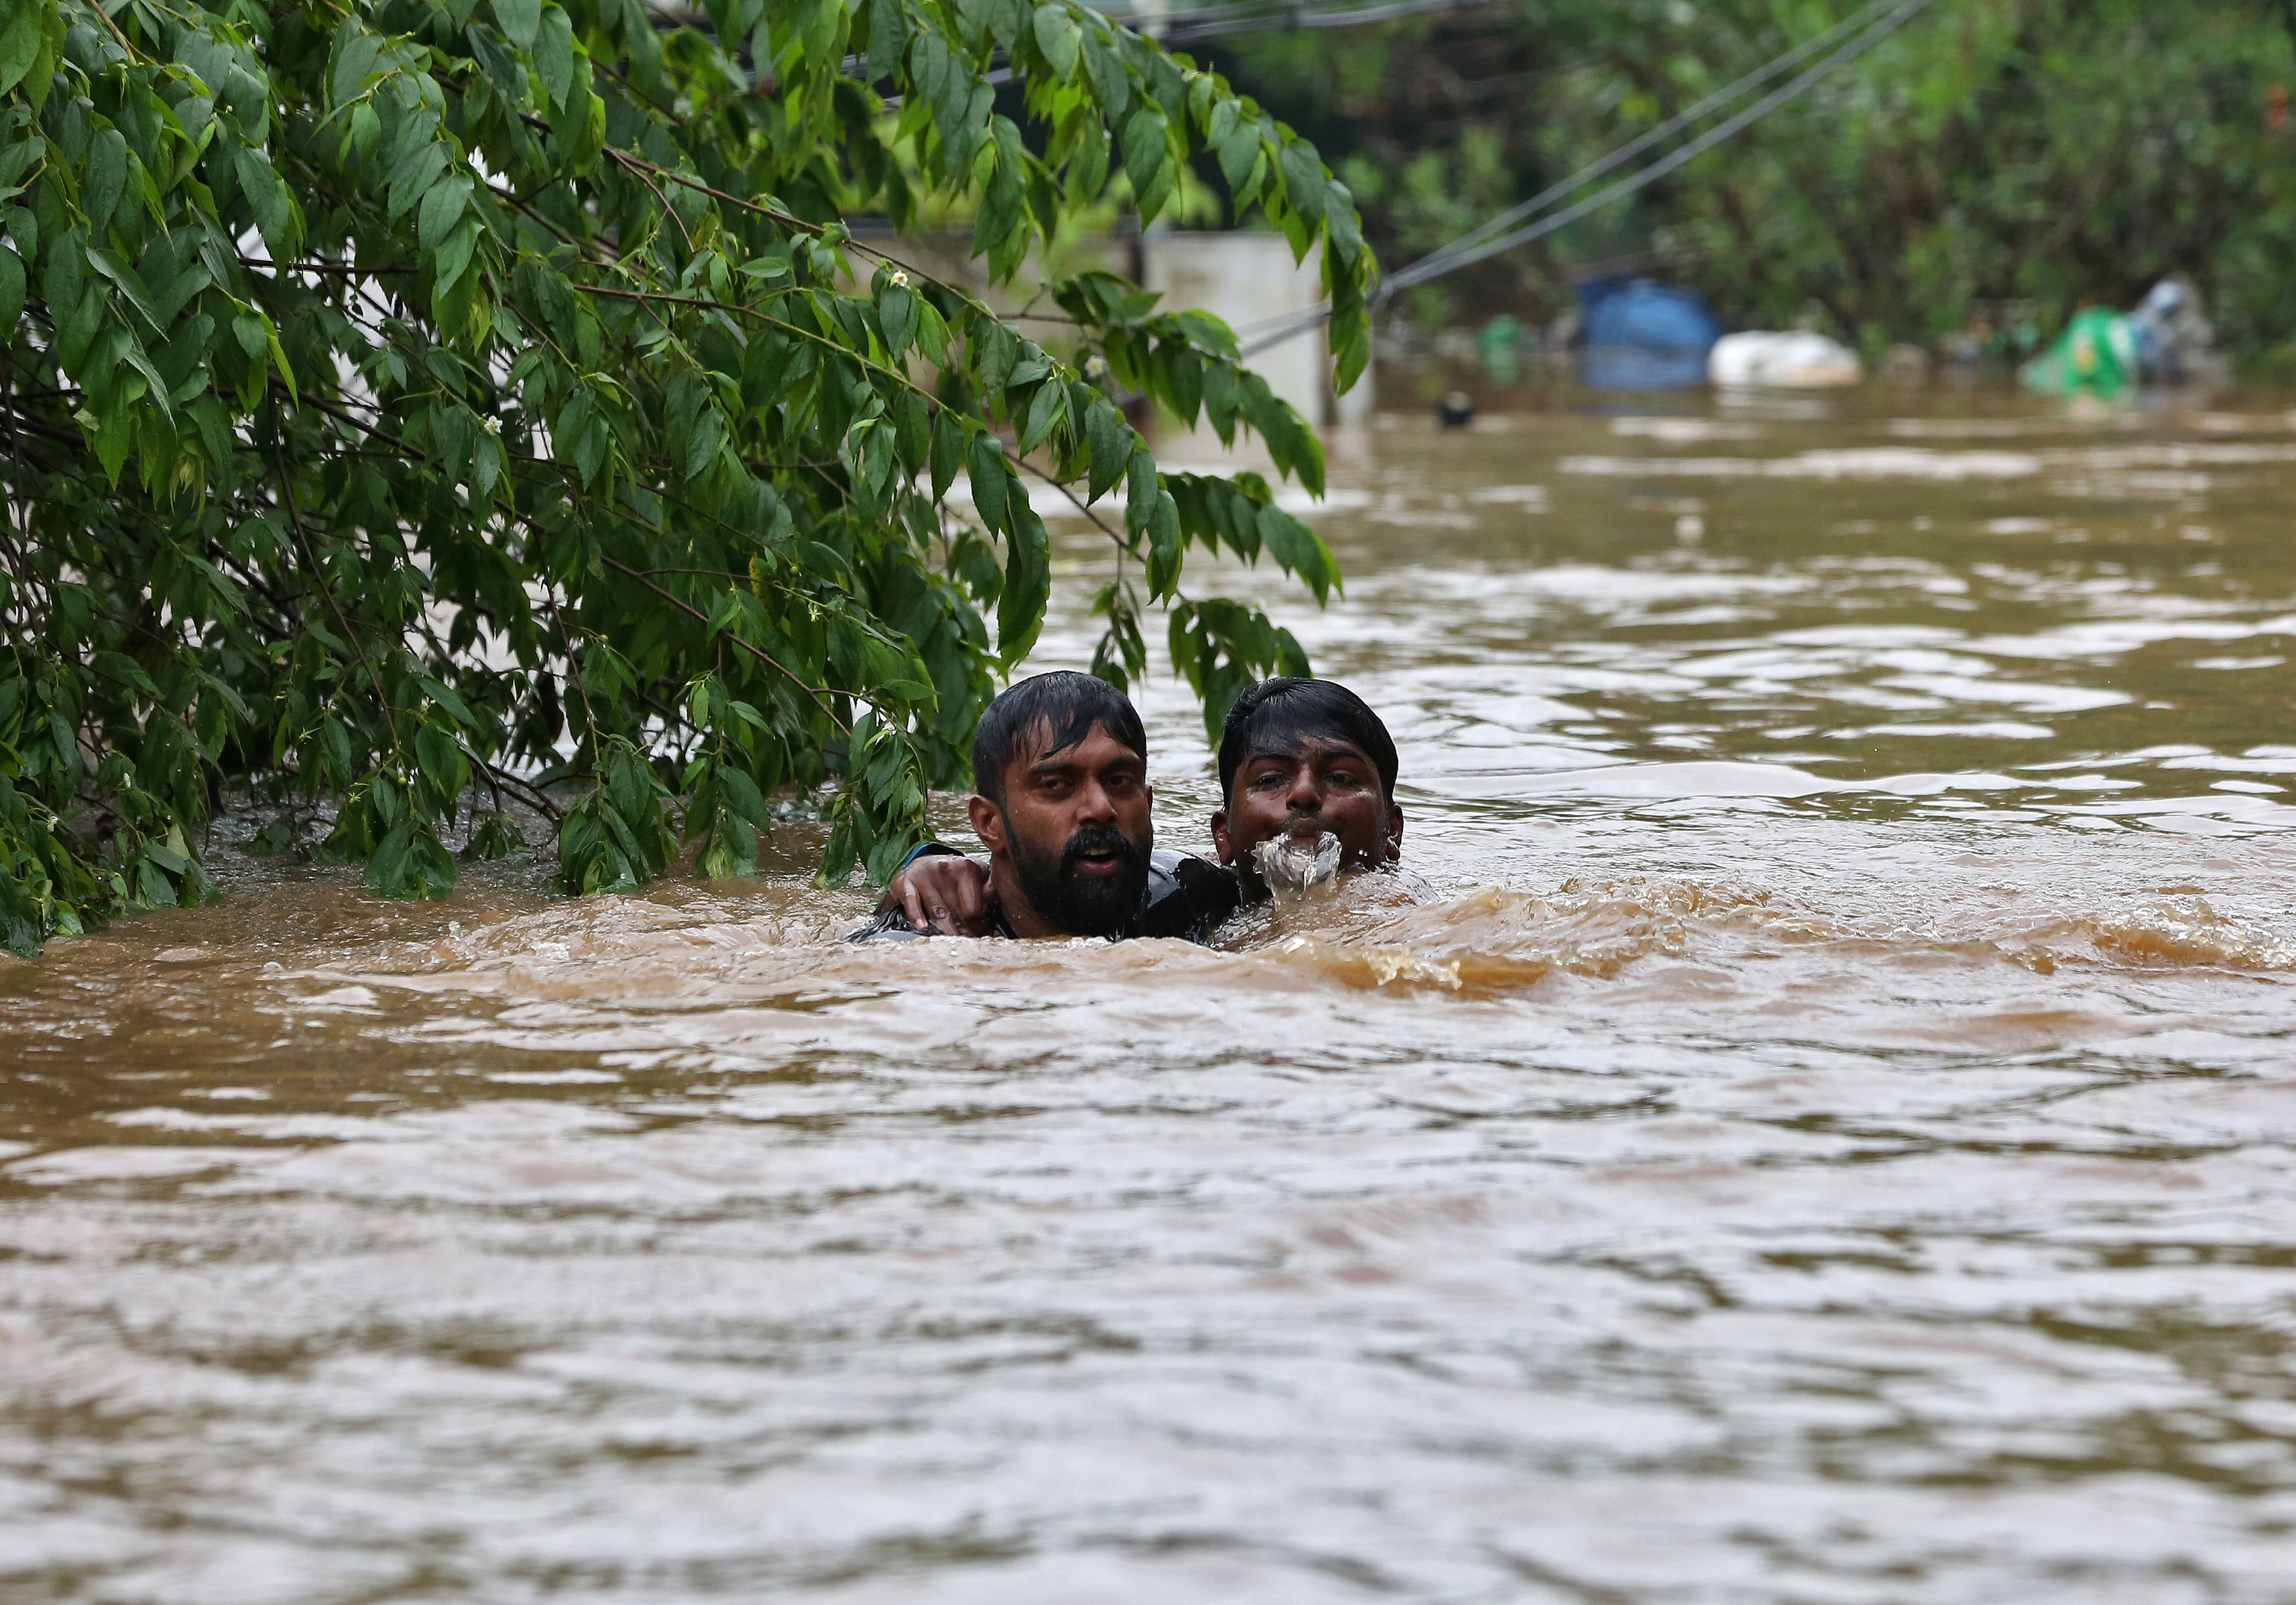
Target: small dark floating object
[(1455, 411)]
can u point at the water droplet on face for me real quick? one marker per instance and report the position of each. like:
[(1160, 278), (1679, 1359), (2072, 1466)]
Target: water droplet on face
[(1292, 869)]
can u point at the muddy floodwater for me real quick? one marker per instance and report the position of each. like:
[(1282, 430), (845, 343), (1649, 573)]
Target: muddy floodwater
[(1824, 1135)]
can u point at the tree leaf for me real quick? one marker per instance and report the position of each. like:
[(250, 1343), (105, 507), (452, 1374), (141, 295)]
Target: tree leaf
[(554, 52), (443, 763), (888, 37), (107, 177), (995, 349), (449, 261), (1028, 584), (1164, 555), (441, 210), (20, 40), (896, 318), (1058, 37), (1237, 150), (948, 453), (521, 20), (1111, 439), (12, 292), (990, 481), (558, 487), (1046, 410), (1140, 490), (1303, 180), (1145, 147)]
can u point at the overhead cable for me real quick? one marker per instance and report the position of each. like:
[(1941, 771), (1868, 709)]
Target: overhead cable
[(1246, 16), (1696, 147), (1187, 28), (1429, 266), (1453, 258)]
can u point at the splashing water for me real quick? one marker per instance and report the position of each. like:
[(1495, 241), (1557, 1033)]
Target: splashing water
[(1295, 870)]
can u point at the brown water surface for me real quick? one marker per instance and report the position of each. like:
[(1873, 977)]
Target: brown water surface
[(1827, 1138)]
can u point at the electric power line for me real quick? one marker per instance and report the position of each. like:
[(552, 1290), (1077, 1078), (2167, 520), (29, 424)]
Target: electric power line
[(1254, 17), (1249, 16), (1696, 147), (1429, 266), (1455, 259)]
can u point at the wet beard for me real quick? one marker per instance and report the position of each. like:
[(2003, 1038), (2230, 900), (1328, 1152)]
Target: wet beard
[(1082, 905)]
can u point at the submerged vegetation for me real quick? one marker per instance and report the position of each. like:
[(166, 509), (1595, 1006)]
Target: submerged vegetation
[(421, 407)]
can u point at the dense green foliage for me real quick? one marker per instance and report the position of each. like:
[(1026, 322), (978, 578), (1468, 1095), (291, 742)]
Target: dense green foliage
[(2067, 151), (416, 408)]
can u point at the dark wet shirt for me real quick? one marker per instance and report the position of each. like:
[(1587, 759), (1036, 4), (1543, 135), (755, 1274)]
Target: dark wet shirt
[(1186, 897)]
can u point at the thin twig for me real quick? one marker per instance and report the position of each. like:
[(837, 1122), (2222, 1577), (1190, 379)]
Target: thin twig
[(348, 269), (757, 652), (132, 52), (790, 221), (358, 422), (574, 663), (931, 399), (684, 233), (535, 796), (655, 295), (319, 578), (589, 716)]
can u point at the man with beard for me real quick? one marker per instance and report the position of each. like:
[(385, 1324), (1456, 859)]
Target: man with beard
[(1298, 758), (1063, 803)]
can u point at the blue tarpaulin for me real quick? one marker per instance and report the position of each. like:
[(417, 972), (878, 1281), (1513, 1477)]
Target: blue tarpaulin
[(1642, 335)]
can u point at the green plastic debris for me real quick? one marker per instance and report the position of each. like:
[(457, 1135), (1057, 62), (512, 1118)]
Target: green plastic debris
[(2097, 355), (1497, 345)]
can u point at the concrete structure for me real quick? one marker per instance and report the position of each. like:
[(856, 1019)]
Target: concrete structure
[(1244, 277), (1248, 279)]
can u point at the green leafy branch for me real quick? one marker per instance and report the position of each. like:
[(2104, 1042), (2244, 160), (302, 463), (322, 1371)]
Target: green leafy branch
[(418, 407)]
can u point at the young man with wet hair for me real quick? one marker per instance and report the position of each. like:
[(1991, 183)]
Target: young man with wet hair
[(1062, 801), (1296, 757)]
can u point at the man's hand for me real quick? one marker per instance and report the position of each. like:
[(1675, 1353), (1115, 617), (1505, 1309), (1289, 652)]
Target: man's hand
[(945, 894)]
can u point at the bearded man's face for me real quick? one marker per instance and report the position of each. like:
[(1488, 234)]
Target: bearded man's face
[(1078, 828)]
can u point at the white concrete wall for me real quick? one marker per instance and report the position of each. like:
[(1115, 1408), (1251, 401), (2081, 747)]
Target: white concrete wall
[(1248, 279)]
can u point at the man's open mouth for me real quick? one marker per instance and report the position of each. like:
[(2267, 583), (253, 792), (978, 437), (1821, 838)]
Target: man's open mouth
[(1100, 861)]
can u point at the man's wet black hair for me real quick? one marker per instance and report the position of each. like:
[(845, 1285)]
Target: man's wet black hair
[(1064, 702), (1277, 715)]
